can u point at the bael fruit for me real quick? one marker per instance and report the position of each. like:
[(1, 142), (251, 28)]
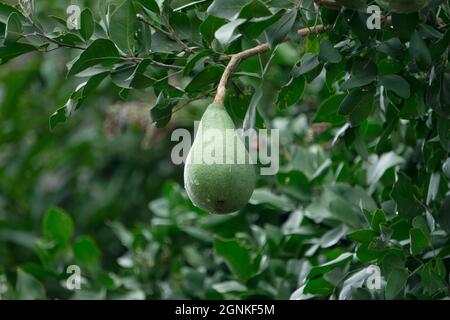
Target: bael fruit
[(404, 6), (226, 185)]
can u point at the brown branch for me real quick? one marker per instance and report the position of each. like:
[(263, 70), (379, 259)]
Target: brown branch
[(236, 58)]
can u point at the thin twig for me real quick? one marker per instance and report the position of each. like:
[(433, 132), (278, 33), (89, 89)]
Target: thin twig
[(235, 58), (171, 33)]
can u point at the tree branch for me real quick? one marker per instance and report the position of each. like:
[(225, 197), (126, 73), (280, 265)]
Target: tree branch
[(236, 58)]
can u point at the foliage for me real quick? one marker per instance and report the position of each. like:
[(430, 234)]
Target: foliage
[(365, 140)]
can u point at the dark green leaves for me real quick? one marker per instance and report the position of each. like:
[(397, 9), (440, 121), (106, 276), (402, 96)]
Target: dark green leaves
[(87, 24), (226, 9), (291, 93), (357, 105), (328, 53), (162, 111), (86, 252), (123, 27), (396, 283), (101, 52), (238, 257), (407, 196), (363, 73), (278, 31), (419, 51), (14, 50), (13, 30), (211, 74), (326, 267), (396, 84)]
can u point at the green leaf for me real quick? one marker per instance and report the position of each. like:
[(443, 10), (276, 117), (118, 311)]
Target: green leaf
[(438, 48), (151, 5), (291, 93), (86, 252), (364, 236), (87, 24), (254, 9), (328, 53), (419, 51), (209, 27), (76, 99), (358, 105), (28, 287), (407, 196), (57, 226), (211, 74), (443, 215), (101, 52), (328, 110), (419, 241), (226, 9), (6, 10), (278, 31), (396, 283), (327, 267), (237, 256), (123, 26), (161, 113), (364, 72), (14, 50), (393, 48), (396, 84), (13, 29), (227, 33), (309, 63), (255, 27), (405, 24), (443, 128)]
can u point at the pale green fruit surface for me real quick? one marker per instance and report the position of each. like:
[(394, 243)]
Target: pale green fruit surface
[(218, 188), (353, 4), (404, 6)]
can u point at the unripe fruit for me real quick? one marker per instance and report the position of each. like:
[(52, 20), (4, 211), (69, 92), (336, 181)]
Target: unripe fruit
[(226, 185)]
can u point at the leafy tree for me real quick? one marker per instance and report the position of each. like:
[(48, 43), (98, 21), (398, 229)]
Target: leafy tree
[(365, 121)]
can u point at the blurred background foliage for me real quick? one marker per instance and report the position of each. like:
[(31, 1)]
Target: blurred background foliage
[(101, 192)]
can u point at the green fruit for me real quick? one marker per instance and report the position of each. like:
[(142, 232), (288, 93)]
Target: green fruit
[(404, 6), (353, 4), (226, 185)]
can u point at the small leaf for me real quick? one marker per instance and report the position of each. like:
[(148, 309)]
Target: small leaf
[(211, 74), (278, 31), (327, 267), (419, 241), (396, 283), (396, 84), (328, 53), (100, 52), (87, 24), (86, 252), (407, 196), (226, 9), (227, 33), (57, 226), (123, 27), (13, 29), (237, 256), (14, 50), (291, 93), (364, 72), (419, 51)]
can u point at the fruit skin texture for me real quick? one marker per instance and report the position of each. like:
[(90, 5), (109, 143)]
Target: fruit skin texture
[(404, 6), (218, 188)]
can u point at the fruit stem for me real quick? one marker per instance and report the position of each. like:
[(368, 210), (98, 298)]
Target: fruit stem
[(235, 58)]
